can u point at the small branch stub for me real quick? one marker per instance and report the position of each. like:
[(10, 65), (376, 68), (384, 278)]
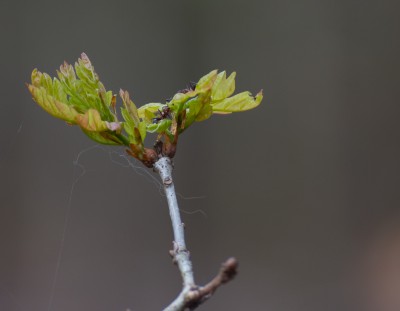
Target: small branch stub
[(226, 273), (191, 295)]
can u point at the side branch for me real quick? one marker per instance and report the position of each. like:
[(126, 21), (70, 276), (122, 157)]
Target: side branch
[(191, 295)]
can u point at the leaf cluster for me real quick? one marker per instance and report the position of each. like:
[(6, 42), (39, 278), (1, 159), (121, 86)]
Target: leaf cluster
[(78, 97)]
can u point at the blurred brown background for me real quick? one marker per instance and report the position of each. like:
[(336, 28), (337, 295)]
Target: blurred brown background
[(304, 190)]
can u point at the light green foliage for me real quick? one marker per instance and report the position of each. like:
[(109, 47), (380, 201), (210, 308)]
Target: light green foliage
[(133, 124), (240, 102), (78, 97), (222, 87), (149, 111), (212, 95)]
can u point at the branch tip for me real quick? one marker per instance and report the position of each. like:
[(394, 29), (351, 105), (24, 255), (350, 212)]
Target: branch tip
[(229, 269)]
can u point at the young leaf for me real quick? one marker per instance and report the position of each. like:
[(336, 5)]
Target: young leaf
[(78, 98), (223, 87), (106, 138), (148, 111), (53, 106), (205, 113), (67, 75), (130, 106), (206, 82), (142, 130), (129, 124), (179, 99), (193, 108), (159, 127), (240, 102), (133, 121), (91, 121)]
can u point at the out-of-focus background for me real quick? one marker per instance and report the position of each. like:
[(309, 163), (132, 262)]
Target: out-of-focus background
[(304, 190)]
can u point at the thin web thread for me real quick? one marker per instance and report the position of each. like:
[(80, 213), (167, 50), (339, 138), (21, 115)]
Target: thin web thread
[(3, 289), (66, 221), (114, 157), (10, 143), (12, 297)]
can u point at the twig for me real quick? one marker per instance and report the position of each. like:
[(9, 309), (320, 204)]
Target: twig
[(191, 295)]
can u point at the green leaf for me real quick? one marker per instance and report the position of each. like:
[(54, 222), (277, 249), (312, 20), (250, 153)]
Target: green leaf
[(148, 111), (135, 128), (222, 87), (177, 102), (129, 125), (159, 127), (193, 108), (51, 105), (109, 98), (105, 138), (240, 102), (142, 130), (84, 89), (78, 97), (91, 121), (67, 76), (130, 106), (71, 86), (205, 113), (206, 82), (85, 72), (52, 87)]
